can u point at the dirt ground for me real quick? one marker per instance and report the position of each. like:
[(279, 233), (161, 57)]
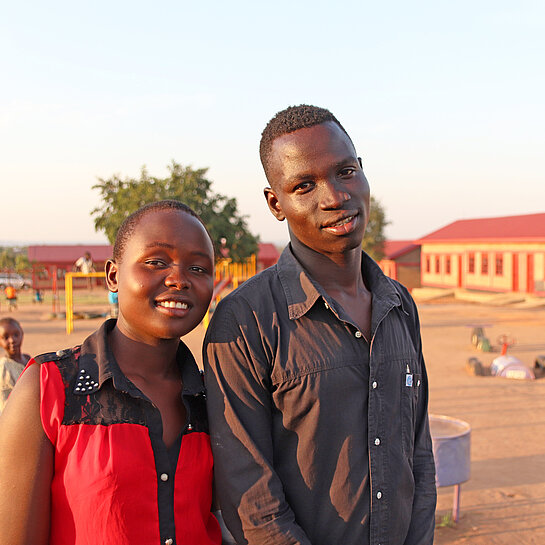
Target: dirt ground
[(504, 500)]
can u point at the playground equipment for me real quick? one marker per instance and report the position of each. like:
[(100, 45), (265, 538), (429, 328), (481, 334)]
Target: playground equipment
[(69, 294), (451, 450), (229, 275)]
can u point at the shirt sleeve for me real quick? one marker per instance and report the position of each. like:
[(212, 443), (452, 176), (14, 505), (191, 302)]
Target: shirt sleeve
[(421, 529), (237, 374)]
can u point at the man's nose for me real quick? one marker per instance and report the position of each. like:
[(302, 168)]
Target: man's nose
[(334, 194), (177, 277)]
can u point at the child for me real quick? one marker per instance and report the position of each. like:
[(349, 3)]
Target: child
[(108, 442), (13, 362), (11, 296)]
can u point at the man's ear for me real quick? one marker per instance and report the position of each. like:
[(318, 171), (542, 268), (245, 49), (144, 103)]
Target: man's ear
[(111, 275), (274, 205)]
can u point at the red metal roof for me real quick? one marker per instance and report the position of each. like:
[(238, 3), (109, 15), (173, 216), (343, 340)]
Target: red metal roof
[(396, 248), (528, 227), (68, 253), (267, 252)]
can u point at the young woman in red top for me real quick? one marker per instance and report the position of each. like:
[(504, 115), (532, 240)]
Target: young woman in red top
[(108, 442)]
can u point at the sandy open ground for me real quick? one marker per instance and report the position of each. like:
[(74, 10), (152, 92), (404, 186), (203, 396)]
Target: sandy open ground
[(504, 500)]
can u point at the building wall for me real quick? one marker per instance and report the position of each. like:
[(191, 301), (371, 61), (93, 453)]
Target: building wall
[(404, 269), (485, 266)]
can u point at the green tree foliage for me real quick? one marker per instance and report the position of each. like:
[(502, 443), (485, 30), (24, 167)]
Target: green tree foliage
[(373, 241), (14, 259), (120, 198), (7, 259)]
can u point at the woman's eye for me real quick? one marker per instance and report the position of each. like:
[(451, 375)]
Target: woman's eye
[(303, 186)]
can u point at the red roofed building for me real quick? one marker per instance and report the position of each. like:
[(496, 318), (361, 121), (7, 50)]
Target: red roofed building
[(505, 254), (51, 263), (402, 262), (267, 255)]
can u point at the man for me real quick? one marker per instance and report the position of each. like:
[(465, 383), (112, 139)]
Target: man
[(317, 388), (85, 265)]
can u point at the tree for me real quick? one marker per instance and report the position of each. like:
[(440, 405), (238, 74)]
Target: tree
[(373, 241), (120, 198)]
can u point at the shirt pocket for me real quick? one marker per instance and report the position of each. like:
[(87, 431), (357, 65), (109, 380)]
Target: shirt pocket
[(410, 389)]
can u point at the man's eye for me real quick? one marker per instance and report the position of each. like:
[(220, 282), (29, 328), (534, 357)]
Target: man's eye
[(348, 171), (155, 262), (198, 269)]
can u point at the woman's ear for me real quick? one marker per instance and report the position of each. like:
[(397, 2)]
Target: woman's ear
[(111, 275)]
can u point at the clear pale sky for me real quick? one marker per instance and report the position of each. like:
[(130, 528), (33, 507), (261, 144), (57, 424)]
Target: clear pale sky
[(445, 102)]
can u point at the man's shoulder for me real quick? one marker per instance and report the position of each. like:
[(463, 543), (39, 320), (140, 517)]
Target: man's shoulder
[(255, 301), (257, 289)]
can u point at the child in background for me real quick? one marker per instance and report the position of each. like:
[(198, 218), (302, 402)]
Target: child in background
[(107, 442), (11, 296), (13, 361)]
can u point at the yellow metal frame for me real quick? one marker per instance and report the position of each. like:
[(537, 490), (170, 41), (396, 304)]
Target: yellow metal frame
[(238, 272), (69, 295)]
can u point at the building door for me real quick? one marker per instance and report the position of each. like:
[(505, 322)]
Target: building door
[(530, 273), (460, 272), (515, 272)]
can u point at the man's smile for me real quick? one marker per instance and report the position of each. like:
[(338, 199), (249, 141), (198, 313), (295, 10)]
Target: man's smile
[(343, 225)]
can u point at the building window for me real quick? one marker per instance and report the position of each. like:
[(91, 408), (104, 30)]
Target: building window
[(428, 264), (437, 265), (447, 265), (471, 264), (484, 264), (499, 264)]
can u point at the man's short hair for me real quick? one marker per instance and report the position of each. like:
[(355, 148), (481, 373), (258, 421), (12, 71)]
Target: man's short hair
[(290, 120)]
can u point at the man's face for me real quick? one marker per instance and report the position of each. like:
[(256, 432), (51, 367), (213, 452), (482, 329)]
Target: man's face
[(318, 186)]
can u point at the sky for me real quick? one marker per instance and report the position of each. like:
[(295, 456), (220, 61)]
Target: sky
[(445, 102)]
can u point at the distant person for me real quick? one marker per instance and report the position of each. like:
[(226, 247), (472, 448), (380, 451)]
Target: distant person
[(114, 304), (11, 296), (13, 361), (108, 442), (38, 297), (85, 265)]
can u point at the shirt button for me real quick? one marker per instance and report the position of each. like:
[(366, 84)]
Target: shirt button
[(374, 385), (326, 305), (358, 334), (379, 495), (164, 477), (169, 541), (377, 441)]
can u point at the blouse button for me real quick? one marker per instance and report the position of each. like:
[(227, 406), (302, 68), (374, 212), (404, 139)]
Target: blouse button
[(164, 477)]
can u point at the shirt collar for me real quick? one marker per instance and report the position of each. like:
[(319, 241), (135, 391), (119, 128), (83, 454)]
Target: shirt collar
[(302, 291), (97, 364)]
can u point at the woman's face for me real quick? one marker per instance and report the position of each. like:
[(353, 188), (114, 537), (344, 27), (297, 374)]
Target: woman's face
[(165, 277)]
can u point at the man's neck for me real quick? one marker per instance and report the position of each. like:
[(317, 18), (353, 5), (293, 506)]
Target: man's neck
[(334, 272)]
